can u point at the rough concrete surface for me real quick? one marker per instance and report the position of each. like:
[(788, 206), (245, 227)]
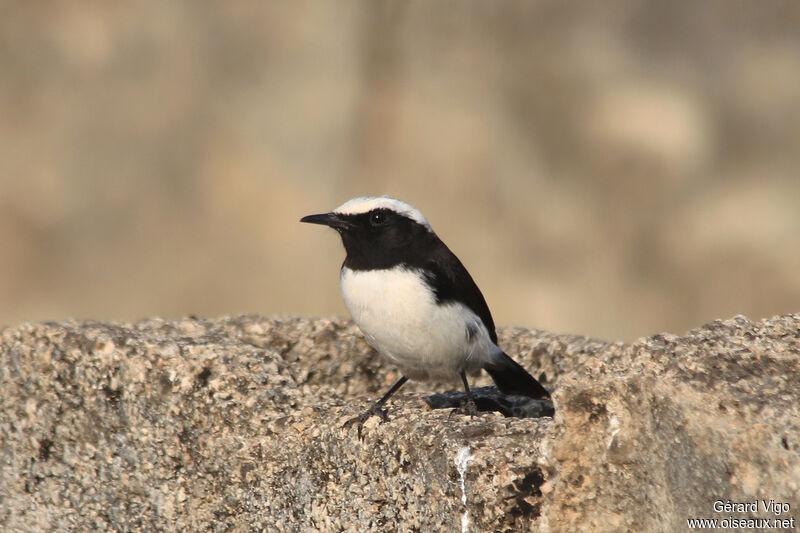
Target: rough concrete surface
[(235, 424)]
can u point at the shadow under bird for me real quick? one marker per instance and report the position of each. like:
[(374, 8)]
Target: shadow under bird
[(416, 303)]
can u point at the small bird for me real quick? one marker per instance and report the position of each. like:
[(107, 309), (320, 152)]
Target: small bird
[(415, 302)]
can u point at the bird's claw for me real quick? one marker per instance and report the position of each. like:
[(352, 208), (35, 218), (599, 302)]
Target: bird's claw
[(359, 420), (467, 407)]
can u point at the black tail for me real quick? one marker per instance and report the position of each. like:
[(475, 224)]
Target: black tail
[(511, 378)]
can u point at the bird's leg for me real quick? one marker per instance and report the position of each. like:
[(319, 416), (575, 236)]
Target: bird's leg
[(468, 407), (376, 409)]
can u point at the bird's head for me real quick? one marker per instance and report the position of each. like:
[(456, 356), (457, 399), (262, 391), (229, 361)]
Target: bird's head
[(376, 231)]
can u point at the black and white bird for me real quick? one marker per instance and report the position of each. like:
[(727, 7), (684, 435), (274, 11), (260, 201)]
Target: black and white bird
[(415, 302)]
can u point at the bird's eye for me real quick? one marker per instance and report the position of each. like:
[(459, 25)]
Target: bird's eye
[(377, 218)]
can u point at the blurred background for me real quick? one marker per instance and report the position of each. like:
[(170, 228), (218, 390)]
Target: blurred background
[(611, 168)]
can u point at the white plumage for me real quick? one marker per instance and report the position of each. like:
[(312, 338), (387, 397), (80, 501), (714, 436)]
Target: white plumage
[(415, 302), (365, 204), (399, 316)]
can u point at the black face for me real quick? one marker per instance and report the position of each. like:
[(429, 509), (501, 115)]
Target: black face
[(381, 238)]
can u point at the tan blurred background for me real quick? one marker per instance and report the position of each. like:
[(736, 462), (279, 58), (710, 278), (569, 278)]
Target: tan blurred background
[(606, 168)]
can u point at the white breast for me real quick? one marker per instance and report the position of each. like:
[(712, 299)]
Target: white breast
[(400, 318)]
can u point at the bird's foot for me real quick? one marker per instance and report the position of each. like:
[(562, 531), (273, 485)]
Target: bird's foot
[(467, 407), (375, 410)]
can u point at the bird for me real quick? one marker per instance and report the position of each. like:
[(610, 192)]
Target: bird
[(416, 303)]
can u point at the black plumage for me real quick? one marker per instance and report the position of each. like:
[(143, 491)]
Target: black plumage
[(396, 241), (384, 239)]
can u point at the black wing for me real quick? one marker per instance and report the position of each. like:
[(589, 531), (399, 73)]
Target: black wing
[(451, 282)]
